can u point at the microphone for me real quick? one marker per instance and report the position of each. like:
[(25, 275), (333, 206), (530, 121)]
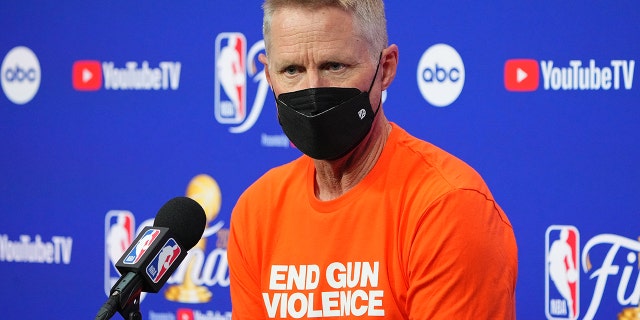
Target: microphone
[(153, 256)]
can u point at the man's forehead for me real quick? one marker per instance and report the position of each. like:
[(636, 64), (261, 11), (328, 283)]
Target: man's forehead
[(294, 31), (297, 51), (319, 18)]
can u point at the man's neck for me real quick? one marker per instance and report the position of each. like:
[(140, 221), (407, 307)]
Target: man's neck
[(335, 177)]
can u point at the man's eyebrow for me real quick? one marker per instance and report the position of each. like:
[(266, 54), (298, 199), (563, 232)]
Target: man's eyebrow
[(283, 66), (327, 59)]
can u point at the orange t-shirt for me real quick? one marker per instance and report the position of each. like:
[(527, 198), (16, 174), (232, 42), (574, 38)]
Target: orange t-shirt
[(420, 237)]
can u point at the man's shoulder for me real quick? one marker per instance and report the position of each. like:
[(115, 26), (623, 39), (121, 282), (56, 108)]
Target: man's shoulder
[(428, 161)]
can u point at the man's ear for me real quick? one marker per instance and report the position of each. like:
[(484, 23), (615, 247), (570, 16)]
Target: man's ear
[(389, 65), (265, 61)]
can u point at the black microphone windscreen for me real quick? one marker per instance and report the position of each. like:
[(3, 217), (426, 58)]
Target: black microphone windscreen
[(185, 218)]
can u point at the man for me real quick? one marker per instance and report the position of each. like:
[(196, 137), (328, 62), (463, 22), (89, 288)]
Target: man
[(370, 222)]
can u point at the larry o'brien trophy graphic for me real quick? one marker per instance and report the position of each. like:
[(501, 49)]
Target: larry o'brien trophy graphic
[(205, 191)]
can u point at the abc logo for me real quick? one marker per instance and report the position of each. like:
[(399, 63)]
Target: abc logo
[(20, 75), (440, 75)]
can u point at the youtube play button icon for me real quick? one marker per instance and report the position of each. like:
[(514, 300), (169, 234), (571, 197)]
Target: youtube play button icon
[(87, 75), (521, 75)]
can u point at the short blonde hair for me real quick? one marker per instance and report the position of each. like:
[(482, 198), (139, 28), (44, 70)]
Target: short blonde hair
[(369, 18)]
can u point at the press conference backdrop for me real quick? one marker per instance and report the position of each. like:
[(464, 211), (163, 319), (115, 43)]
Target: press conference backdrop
[(109, 109)]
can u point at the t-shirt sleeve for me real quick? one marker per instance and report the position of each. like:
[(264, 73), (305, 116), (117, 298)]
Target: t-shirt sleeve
[(463, 260), (244, 277)]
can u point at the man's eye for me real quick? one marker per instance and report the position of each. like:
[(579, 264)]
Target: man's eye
[(335, 66), (291, 70)]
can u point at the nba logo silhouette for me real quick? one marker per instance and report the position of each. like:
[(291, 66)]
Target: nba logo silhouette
[(119, 229), (141, 247), (230, 78), (163, 260), (562, 271)]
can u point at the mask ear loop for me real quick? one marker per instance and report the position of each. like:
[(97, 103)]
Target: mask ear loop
[(375, 74), (373, 81)]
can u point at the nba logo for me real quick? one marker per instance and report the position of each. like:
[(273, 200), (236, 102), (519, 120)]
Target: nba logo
[(562, 287), (230, 78), (163, 260), (118, 235), (141, 247)]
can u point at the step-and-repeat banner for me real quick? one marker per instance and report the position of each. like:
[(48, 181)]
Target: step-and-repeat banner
[(108, 110)]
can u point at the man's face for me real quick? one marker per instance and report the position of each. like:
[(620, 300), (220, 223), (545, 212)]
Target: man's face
[(317, 48)]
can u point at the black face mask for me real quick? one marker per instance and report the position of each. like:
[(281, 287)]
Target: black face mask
[(326, 123)]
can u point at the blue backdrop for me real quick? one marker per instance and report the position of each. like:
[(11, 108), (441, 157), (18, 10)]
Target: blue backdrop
[(110, 109)]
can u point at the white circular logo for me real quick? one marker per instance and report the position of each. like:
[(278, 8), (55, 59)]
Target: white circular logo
[(440, 75), (20, 75)]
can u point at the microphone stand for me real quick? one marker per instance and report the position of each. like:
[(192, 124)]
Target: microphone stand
[(124, 298)]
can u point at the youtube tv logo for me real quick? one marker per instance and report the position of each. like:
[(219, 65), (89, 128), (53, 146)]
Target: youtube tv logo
[(185, 314), (87, 75), (521, 75)]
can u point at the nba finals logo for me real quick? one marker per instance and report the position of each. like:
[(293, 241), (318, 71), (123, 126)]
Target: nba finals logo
[(562, 276), (205, 266), (233, 66)]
